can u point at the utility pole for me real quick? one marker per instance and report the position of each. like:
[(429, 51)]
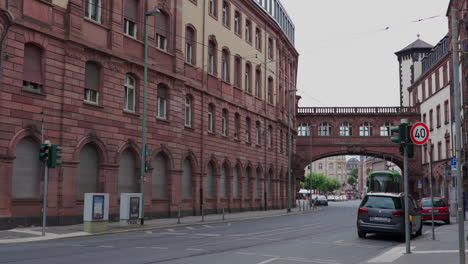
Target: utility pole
[(406, 176), (429, 146), (289, 150), (311, 160), (456, 88)]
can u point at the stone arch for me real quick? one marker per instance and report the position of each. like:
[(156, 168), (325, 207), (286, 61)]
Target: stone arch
[(132, 146), (190, 155), (100, 147), (166, 151), (20, 135)]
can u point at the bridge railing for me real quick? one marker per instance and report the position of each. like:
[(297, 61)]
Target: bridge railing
[(357, 110)]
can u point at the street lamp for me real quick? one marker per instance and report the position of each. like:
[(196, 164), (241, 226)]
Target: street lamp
[(289, 151), (311, 159), (143, 141)]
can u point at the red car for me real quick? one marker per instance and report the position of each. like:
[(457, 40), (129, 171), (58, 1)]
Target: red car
[(441, 209)]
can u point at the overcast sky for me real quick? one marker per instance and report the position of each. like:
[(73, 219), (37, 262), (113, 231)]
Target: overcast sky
[(347, 54)]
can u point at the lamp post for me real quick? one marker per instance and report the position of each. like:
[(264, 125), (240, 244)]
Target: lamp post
[(289, 151), (143, 140), (311, 160)]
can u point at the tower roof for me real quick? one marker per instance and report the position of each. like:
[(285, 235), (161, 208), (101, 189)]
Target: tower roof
[(417, 44)]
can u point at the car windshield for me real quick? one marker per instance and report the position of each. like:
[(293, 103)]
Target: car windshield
[(381, 202), (437, 203), (321, 197)]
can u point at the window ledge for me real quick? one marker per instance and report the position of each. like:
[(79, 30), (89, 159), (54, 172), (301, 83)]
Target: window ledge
[(132, 38), (227, 26), (237, 34), (93, 104), (129, 112), (211, 133), (226, 82), (215, 17), (238, 88), (162, 120), (213, 75), (99, 24), (189, 128), (33, 91), (164, 51)]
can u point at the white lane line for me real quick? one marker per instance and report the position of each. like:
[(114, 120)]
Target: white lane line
[(339, 241), (171, 230), (246, 253), (172, 233), (270, 256), (210, 235), (103, 246), (207, 226), (194, 249), (389, 256), (159, 247), (189, 227), (268, 261), (139, 247)]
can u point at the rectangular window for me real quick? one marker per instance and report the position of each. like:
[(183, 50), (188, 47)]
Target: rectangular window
[(446, 112), (438, 115), (188, 111), (188, 53), (162, 107), (129, 98), (210, 121), (439, 150), (236, 127), (91, 96), (130, 28), (247, 131), (93, 10), (270, 49), (211, 64), (431, 120), (224, 125), (161, 42)]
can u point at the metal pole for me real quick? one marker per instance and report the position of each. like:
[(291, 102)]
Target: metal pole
[(456, 87), (407, 224), (44, 203), (432, 192), (289, 154), (143, 136), (178, 216), (311, 159)]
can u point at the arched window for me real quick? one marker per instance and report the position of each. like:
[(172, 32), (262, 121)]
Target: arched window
[(159, 177), (365, 129), (248, 31), (226, 73), (127, 172), (92, 82), (235, 182), (212, 62), (346, 129), (258, 186), (223, 181), (190, 44), (270, 90), (129, 98), (247, 130), (385, 129), (226, 14), (258, 82), (162, 31), (237, 71), (162, 101), (88, 171), (237, 23), (257, 133), (211, 110), (224, 122), (324, 129), (236, 126), (32, 67), (209, 181), (303, 130), (26, 180), (187, 179), (247, 183), (248, 78), (188, 111), (131, 18)]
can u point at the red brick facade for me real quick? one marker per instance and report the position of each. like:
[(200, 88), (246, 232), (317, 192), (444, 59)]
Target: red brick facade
[(68, 40)]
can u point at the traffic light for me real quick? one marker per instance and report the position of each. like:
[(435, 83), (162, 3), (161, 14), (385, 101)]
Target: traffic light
[(401, 137), (44, 150), (54, 156), (409, 143)]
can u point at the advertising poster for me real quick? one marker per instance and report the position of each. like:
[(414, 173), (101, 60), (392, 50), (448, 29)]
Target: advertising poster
[(98, 207), (134, 207)]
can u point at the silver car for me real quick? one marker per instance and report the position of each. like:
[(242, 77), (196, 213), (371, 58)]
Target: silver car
[(385, 213)]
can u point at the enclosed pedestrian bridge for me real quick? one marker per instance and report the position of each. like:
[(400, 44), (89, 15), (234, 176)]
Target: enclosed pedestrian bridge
[(331, 131)]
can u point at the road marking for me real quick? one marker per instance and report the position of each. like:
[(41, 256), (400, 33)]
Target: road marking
[(207, 226), (159, 247), (210, 235), (268, 261), (194, 249), (48, 236), (246, 253), (149, 232), (103, 246), (171, 230), (172, 233), (189, 227), (389, 256), (140, 247), (271, 256), (339, 241)]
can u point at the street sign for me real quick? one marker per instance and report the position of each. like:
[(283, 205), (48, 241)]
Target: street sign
[(419, 133), (453, 161), (419, 184)]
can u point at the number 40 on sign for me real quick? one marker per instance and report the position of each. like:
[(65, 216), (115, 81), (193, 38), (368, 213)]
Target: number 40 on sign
[(419, 133)]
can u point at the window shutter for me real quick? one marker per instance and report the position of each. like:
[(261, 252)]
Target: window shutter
[(161, 24), (131, 9), (162, 91), (92, 76), (32, 64)]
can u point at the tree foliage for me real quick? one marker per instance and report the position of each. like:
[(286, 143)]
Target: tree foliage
[(321, 182), (353, 177)]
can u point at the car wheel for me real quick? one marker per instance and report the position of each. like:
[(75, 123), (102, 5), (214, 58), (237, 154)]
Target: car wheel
[(361, 234), (447, 222), (419, 232)]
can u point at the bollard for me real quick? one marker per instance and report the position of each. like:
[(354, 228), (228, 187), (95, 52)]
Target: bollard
[(299, 204), (223, 214), (178, 216)]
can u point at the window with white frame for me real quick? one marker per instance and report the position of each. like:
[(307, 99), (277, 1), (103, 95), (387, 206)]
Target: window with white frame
[(189, 44), (211, 57), (385, 129), (162, 31), (212, 7), (268, 136), (93, 10), (130, 18), (129, 99), (224, 124), (324, 130), (188, 111), (92, 81), (225, 71), (303, 130), (365, 129), (258, 38), (248, 31), (226, 14), (320, 166), (346, 129), (248, 79), (237, 23), (258, 82), (210, 118), (257, 133), (162, 101)]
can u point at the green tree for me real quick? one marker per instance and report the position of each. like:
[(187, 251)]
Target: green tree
[(353, 177)]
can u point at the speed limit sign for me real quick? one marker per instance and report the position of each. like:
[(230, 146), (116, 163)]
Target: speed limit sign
[(419, 133)]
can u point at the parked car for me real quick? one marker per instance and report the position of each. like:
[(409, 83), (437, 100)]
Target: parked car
[(440, 208), (385, 213), (320, 199)]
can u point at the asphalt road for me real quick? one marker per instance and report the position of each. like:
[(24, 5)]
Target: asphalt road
[(327, 236)]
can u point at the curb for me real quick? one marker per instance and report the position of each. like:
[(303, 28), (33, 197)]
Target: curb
[(139, 229)]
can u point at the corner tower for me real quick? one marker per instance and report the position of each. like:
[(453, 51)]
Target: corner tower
[(410, 65)]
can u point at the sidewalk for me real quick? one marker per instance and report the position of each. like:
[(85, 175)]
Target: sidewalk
[(30, 234), (424, 250)]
